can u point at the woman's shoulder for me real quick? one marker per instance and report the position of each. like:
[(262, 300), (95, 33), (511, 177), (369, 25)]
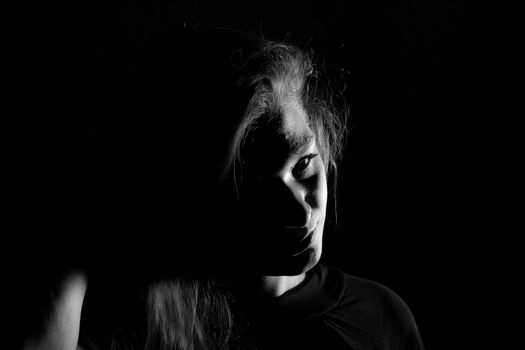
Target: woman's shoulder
[(376, 309), (367, 293)]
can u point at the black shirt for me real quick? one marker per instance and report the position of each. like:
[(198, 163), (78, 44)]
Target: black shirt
[(333, 310)]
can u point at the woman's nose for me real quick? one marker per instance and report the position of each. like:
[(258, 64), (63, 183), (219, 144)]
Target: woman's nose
[(295, 210)]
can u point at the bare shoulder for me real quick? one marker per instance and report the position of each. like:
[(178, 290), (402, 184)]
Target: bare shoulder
[(62, 326)]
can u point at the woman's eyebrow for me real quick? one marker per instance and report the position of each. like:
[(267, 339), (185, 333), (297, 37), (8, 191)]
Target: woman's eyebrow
[(299, 144)]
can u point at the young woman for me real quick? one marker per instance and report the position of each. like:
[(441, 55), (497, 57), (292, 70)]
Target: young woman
[(257, 137), (282, 155), (218, 157)]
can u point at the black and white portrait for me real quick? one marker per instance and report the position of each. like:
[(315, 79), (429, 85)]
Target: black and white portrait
[(261, 175)]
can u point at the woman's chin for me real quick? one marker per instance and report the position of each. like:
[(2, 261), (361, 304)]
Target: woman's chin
[(291, 265)]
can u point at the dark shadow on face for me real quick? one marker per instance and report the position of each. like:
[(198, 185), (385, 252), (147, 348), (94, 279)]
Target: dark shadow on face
[(283, 194), (156, 195)]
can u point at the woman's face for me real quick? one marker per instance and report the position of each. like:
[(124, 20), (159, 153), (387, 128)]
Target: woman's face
[(283, 194)]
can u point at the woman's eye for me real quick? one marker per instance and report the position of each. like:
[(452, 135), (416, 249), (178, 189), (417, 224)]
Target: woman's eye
[(299, 168)]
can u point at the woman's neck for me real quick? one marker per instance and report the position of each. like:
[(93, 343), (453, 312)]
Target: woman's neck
[(275, 286)]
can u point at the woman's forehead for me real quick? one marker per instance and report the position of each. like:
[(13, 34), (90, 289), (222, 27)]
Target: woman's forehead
[(275, 140), (294, 126)]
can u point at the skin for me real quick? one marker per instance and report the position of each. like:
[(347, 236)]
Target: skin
[(62, 329), (284, 197)]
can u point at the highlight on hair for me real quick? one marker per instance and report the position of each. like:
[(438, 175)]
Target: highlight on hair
[(277, 72), (188, 313)]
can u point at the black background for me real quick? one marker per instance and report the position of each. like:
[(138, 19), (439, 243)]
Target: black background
[(430, 188)]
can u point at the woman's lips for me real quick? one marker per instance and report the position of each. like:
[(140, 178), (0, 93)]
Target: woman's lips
[(287, 241), (300, 234), (297, 234), (303, 245), (299, 246)]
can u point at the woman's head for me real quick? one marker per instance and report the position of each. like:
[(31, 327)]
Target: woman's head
[(280, 76), (285, 146), (206, 107)]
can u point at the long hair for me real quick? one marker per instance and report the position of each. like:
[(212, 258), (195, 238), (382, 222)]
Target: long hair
[(185, 312), (188, 314)]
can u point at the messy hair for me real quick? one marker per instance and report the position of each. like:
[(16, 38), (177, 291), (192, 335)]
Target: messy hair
[(187, 313), (278, 72)]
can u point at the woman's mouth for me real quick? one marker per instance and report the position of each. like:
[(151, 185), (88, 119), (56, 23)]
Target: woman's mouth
[(304, 244), (299, 246), (287, 241)]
